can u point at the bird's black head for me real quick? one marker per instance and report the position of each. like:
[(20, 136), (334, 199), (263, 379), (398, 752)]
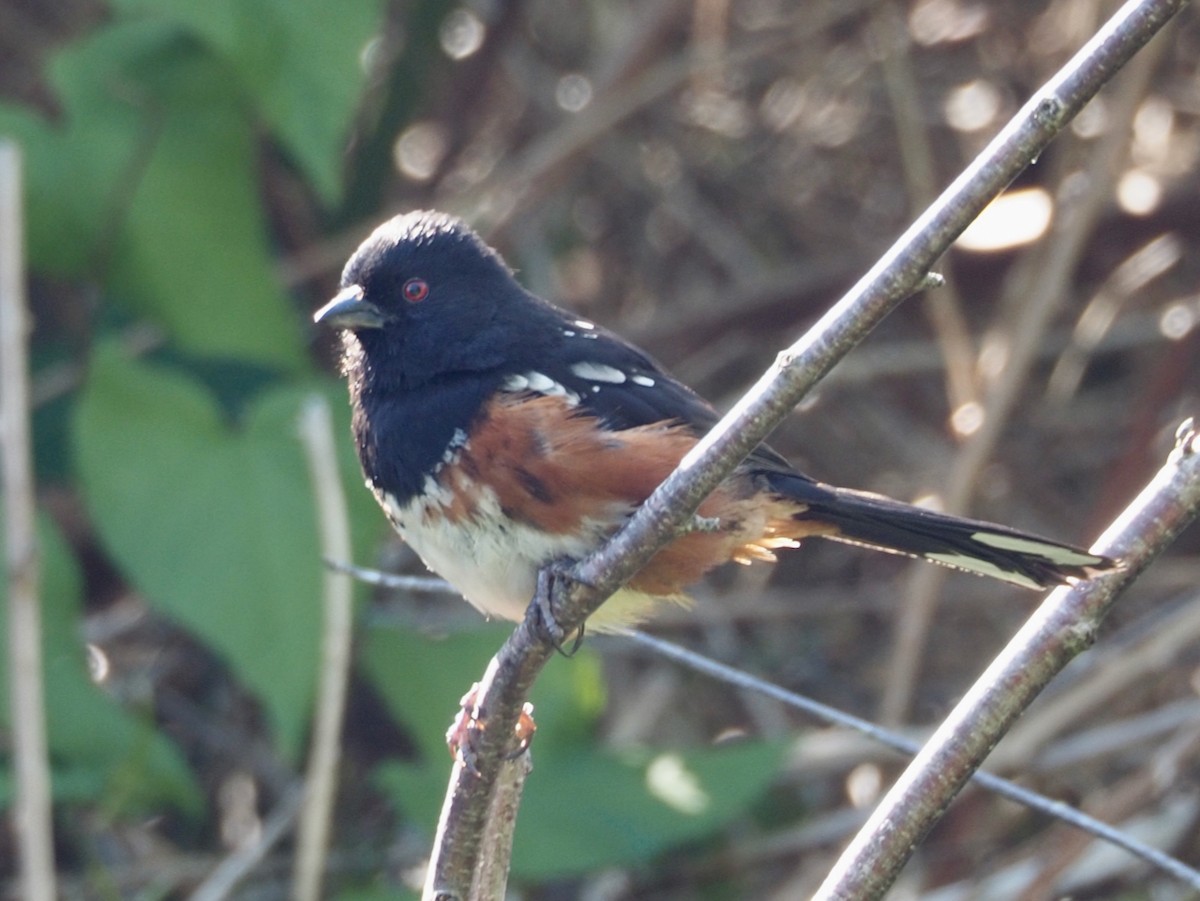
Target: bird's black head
[(424, 297)]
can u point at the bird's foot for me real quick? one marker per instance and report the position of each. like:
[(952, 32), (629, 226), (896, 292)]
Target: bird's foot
[(470, 723), (552, 579)]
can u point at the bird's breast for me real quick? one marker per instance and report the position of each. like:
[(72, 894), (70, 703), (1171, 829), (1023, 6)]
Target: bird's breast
[(468, 539)]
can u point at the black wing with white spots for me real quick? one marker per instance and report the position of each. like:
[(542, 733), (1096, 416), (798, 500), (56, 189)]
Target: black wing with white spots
[(621, 385)]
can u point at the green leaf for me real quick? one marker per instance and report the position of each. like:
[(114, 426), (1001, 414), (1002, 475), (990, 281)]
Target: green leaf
[(590, 809), (151, 179), (74, 168), (214, 524), (584, 807), (299, 60), (100, 752), (422, 679)]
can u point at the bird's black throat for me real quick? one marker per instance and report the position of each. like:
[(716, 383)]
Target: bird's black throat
[(402, 434)]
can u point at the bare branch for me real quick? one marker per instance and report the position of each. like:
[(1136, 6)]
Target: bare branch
[(1059, 630), (224, 878), (312, 839), (491, 867), (897, 742), (31, 812)]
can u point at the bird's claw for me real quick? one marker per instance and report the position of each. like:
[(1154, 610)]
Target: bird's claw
[(470, 723), (550, 577)]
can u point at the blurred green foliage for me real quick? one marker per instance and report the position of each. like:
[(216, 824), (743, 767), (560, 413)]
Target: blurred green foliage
[(147, 186), (584, 807), (232, 551), (100, 751)]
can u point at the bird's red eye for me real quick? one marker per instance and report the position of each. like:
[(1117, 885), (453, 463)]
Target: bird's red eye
[(415, 290)]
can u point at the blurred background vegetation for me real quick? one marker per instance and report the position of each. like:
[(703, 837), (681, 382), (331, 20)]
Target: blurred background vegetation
[(704, 176)]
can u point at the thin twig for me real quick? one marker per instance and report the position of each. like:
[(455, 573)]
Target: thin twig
[(1119, 801), (419, 584), (1060, 629), (312, 839), (505, 685), (1150, 261), (897, 742), (1114, 739), (32, 816), (234, 868)]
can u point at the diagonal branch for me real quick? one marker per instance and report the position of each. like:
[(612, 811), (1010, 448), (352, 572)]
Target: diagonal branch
[(1005, 788), (1058, 631), (904, 267)]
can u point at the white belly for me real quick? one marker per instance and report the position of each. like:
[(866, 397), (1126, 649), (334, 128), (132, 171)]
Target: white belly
[(490, 559)]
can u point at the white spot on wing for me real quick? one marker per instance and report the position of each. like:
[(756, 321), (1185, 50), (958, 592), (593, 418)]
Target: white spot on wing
[(539, 383), (644, 380), (584, 324), (598, 372), (542, 383)]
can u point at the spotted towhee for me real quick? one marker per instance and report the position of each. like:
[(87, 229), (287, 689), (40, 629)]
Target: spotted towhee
[(501, 433)]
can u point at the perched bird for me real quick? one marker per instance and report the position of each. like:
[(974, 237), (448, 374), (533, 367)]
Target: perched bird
[(500, 433)]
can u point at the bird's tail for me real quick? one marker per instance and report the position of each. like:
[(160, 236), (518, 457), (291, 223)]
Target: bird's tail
[(858, 517)]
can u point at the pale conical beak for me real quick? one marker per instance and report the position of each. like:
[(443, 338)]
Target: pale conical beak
[(349, 310)]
